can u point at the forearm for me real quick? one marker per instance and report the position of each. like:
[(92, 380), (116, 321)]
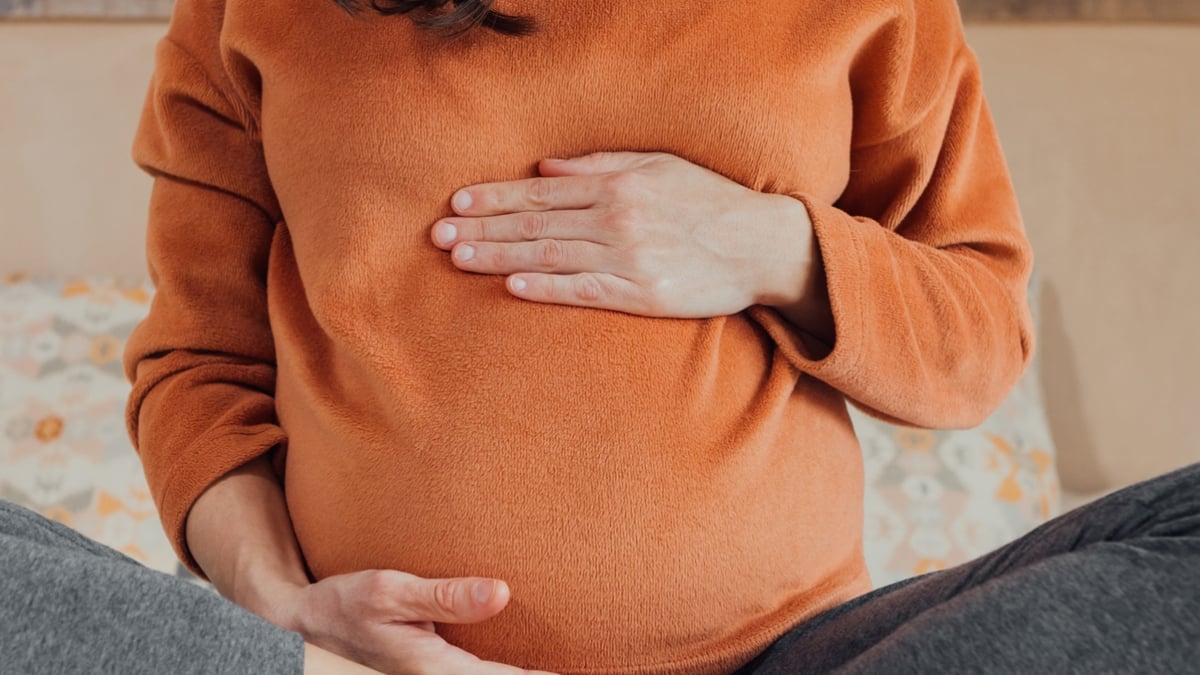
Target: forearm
[(240, 534)]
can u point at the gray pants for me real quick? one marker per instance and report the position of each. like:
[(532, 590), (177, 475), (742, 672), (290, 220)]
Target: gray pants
[(69, 605), (1113, 587)]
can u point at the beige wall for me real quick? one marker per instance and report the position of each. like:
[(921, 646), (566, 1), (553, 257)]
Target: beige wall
[(1103, 136), (1100, 126), (70, 94)]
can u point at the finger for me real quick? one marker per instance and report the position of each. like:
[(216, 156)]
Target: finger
[(570, 224), (465, 600), (600, 291), (594, 163), (547, 256), (530, 194)]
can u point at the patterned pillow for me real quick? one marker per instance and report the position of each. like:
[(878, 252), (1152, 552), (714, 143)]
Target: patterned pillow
[(935, 499), (64, 451)]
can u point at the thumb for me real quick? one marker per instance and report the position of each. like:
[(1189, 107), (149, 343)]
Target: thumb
[(595, 163), (464, 600)]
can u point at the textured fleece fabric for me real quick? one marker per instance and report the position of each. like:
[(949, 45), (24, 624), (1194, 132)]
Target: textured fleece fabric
[(663, 496)]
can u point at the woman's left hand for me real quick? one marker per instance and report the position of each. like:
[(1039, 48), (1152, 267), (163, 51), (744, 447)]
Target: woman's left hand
[(643, 233)]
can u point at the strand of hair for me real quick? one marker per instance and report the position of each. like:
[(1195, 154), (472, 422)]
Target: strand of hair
[(464, 16)]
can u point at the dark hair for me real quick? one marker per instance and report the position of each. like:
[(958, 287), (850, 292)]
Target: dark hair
[(460, 17)]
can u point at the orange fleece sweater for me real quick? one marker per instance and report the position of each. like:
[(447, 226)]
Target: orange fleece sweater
[(663, 496)]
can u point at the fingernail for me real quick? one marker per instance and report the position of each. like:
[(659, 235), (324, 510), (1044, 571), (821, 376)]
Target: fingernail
[(464, 253), (461, 200), (483, 591), (445, 233), (518, 284)]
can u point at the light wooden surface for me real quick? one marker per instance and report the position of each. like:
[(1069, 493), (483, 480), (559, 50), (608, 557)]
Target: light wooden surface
[(1036, 10)]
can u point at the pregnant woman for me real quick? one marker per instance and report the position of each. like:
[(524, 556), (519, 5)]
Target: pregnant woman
[(519, 335)]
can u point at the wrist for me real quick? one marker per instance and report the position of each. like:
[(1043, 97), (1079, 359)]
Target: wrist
[(271, 592), (785, 269), (241, 536), (794, 284)]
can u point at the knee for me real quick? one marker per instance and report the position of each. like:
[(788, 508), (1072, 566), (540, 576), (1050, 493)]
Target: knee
[(1166, 506)]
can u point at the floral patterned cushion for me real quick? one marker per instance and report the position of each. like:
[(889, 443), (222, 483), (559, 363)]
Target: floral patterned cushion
[(933, 499), (64, 451), (938, 498)]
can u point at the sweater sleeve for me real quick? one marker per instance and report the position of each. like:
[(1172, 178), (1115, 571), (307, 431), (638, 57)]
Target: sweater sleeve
[(202, 362), (924, 254)]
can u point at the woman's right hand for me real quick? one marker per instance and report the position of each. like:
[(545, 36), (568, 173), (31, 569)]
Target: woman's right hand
[(385, 619)]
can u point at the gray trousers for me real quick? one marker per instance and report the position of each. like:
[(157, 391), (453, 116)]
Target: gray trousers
[(69, 605), (1113, 587)]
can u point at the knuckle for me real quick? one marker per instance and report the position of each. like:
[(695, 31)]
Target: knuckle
[(622, 220), (443, 595), (550, 254), (540, 191), (654, 304), (640, 258), (380, 594), (378, 585), (532, 226), (655, 297), (621, 184), (588, 288)]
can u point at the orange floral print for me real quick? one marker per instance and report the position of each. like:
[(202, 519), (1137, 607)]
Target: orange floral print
[(48, 428)]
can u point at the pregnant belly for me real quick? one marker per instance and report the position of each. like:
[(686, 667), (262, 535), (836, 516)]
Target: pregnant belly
[(652, 491), (613, 566)]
